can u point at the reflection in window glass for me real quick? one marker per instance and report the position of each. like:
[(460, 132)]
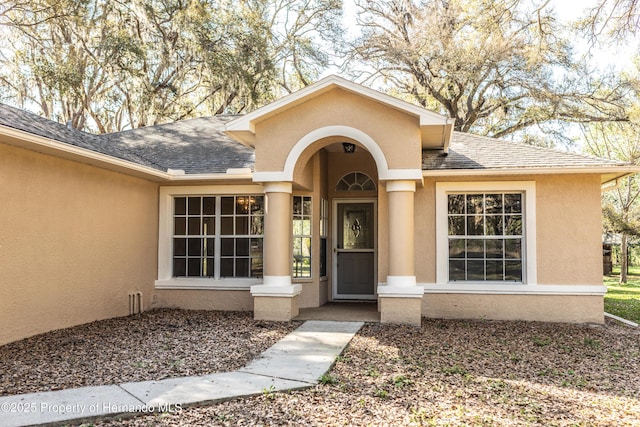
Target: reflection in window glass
[(324, 230), (356, 181), (226, 230), (485, 237), (301, 223)]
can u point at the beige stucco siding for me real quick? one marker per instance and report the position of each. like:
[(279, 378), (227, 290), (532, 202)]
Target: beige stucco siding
[(425, 225), (74, 240), (387, 126), (541, 308), (568, 228), (203, 299)]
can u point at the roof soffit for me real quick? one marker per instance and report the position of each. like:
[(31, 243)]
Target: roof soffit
[(435, 128)]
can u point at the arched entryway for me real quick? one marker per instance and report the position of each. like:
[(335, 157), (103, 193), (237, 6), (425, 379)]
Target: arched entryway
[(296, 131), (344, 169), (347, 187)]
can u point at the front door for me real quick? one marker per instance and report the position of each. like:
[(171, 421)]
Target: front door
[(354, 249)]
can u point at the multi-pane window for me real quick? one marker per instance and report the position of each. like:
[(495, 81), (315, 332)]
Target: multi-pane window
[(218, 236), (241, 231), (324, 230), (302, 236), (356, 181), (485, 236)]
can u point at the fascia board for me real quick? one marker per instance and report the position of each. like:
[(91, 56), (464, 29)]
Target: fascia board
[(448, 135), (212, 177), (22, 139), (26, 140)]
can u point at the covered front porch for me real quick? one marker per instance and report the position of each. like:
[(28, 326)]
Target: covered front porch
[(342, 311), (340, 173)]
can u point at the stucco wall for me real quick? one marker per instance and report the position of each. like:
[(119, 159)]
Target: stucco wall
[(568, 229), (74, 241), (387, 126), (198, 299), (542, 308)]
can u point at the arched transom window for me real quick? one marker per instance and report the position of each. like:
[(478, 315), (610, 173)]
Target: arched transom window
[(356, 181)]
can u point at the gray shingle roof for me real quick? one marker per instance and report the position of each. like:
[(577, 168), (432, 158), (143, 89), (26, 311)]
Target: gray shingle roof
[(34, 124), (199, 146), (195, 145), (468, 151)]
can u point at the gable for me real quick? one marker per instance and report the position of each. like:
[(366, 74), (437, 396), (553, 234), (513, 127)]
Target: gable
[(435, 128), (396, 133), (405, 136)]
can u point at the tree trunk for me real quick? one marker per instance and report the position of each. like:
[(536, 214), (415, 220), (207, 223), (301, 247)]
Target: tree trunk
[(624, 258)]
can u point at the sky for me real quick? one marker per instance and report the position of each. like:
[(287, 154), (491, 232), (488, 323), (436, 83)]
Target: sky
[(620, 56)]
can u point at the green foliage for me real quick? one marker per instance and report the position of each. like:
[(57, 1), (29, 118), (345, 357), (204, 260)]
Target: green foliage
[(108, 66), (269, 393), (373, 372), (539, 341), (401, 381), (621, 202), (381, 393), (454, 370), (623, 300), (327, 379), (592, 342), (496, 67)]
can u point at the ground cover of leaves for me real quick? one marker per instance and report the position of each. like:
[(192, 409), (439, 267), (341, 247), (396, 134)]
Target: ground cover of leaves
[(450, 372), (153, 345)]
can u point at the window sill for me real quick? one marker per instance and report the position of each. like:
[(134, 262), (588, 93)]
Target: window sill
[(241, 284), (515, 288)]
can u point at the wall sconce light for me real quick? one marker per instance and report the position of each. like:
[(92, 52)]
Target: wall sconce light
[(348, 147)]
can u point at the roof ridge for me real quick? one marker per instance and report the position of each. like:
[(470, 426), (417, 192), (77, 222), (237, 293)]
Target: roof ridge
[(162, 125)]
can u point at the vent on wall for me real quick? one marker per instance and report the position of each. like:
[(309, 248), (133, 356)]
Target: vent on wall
[(135, 302)]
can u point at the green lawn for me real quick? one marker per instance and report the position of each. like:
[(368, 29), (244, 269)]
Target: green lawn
[(623, 300)]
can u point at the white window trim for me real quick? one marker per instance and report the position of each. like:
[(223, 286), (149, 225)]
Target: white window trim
[(323, 233), (529, 269), (303, 236), (165, 238)]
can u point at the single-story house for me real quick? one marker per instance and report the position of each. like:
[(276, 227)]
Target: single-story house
[(335, 192)]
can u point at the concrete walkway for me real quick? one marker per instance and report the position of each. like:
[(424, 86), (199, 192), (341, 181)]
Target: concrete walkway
[(297, 361)]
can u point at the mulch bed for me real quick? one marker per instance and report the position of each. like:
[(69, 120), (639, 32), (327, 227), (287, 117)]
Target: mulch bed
[(451, 372), (447, 372), (150, 346)]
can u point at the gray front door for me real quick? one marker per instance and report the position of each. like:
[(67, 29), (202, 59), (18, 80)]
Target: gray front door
[(355, 250)]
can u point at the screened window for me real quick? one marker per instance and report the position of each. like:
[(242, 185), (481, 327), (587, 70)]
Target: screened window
[(485, 236), (218, 236), (302, 236)]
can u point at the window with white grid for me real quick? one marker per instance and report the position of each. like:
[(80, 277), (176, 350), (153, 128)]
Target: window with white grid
[(485, 236), (217, 236), (301, 236)]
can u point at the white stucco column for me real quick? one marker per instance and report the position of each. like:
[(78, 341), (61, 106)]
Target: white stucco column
[(400, 299), (277, 297)]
